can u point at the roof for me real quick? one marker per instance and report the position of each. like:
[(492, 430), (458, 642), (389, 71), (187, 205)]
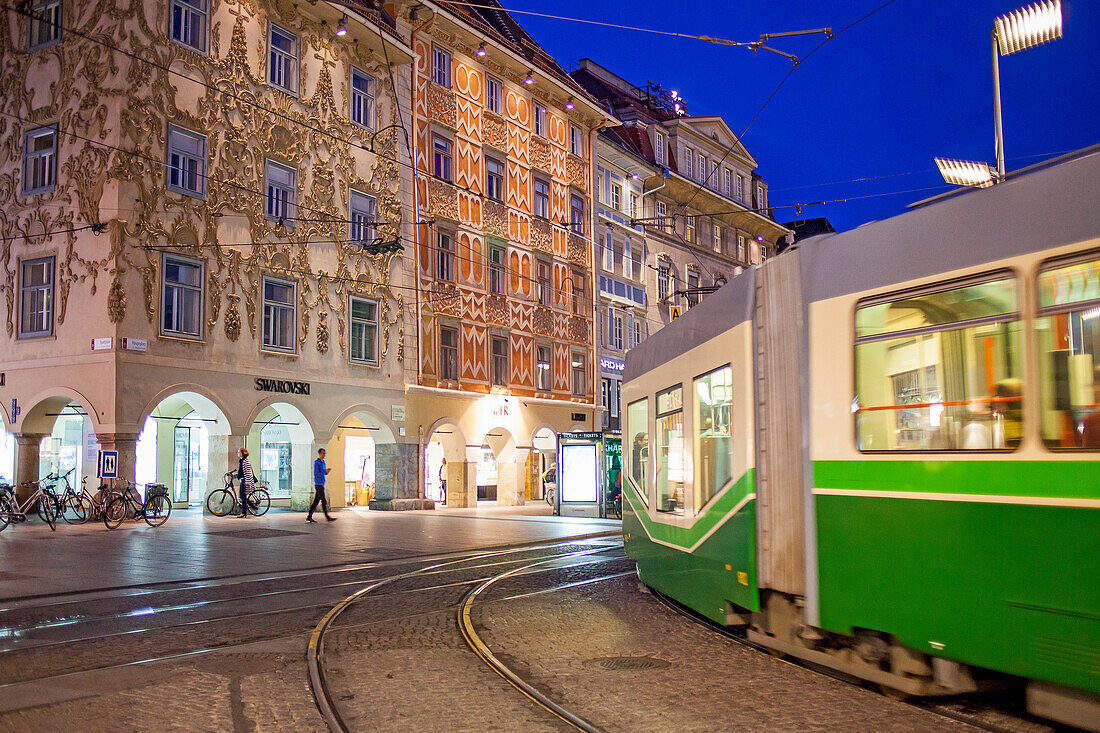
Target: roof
[(490, 18), (804, 228)]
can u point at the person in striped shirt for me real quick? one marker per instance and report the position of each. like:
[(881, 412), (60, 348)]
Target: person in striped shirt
[(247, 481)]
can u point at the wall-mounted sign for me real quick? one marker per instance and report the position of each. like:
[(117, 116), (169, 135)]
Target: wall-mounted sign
[(282, 386), (611, 365), (108, 464), (102, 344), (579, 417), (397, 413), (580, 436), (673, 312), (2, 379), (130, 344)]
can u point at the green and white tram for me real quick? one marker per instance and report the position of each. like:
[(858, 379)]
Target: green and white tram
[(880, 451)]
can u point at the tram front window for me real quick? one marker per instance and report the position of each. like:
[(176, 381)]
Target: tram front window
[(1068, 333), (939, 368), (669, 468)]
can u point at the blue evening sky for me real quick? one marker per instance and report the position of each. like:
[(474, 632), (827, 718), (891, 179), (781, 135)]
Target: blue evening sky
[(879, 101)]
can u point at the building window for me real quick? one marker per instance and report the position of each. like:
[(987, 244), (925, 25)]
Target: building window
[(693, 288), (500, 361), (576, 214), (576, 140), (740, 188), (545, 289), (659, 144), (442, 158), (282, 193), (741, 247), (717, 242), (282, 67), (662, 213), (939, 368), (492, 94), (364, 213), (579, 292), (362, 98), (445, 260), (608, 255), (637, 331), (689, 228), (542, 198), (637, 451), (448, 354), (36, 297), (44, 28), (727, 182), (189, 19), (580, 374), (614, 328), (543, 372), (689, 159), (496, 270), (39, 160), (664, 276), (181, 310), (670, 451), (186, 162), (713, 434), (441, 67), (633, 205), (616, 197), (279, 316), (760, 203), (494, 179), (702, 168), (363, 335), (763, 252), (541, 121)]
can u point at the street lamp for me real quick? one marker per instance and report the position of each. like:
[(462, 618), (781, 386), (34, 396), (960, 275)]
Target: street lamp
[(1024, 28)]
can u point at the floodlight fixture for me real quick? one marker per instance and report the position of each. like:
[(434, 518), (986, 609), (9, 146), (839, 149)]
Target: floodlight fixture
[(530, 78), (342, 27), (570, 104), (481, 50), (1028, 27), (966, 172)]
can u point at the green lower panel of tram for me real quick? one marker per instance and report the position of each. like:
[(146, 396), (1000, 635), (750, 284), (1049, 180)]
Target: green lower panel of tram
[(937, 554), (705, 565)]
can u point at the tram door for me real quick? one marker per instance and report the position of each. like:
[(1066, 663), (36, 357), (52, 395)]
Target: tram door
[(181, 471)]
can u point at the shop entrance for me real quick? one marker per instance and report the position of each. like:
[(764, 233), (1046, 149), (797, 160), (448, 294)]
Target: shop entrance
[(184, 444), (280, 446), (544, 446), (446, 478)]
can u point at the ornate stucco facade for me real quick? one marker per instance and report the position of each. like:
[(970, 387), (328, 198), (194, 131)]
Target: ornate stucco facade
[(180, 148)]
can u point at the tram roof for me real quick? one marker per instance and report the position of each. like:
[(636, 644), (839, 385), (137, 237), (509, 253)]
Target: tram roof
[(1039, 207), (714, 315)]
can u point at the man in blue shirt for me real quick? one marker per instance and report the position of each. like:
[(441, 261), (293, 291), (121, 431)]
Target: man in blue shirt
[(320, 471)]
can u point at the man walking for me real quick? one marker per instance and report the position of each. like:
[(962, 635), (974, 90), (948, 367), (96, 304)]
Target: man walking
[(320, 471)]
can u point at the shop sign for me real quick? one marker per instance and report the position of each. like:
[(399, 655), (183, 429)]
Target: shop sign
[(282, 386), (580, 436), (130, 344), (102, 344), (611, 365)]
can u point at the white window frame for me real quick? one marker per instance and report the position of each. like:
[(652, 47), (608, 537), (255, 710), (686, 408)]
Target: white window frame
[(579, 372), (498, 371), (544, 377), (664, 279), (616, 329), (368, 327), (441, 66), (363, 218), (608, 252), (492, 101), (689, 162), (541, 119), (174, 289), (44, 15), (183, 163), (633, 205), (457, 348), (282, 66), (761, 204), (662, 214), (741, 252), (717, 238), (659, 148), (443, 158), (495, 192), (702, 167), (692, 285), (41, 293), (40, 161), (740, 188), (269, 323), (689, 228), (445, 257), (576, 141), (616, 197), (281, 202), (727, 182), (496, 270), (361, 103), (638, 334), (545, 284), (541, 203), (192, 30)]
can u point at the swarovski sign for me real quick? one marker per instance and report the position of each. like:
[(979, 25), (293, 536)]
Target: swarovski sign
[(282, 386)]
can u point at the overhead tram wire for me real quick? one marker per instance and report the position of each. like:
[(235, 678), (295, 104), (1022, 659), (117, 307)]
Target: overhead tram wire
[(775, 91)]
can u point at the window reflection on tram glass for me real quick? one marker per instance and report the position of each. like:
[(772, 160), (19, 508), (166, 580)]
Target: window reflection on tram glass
[(1068, 334), (713, 400), (939, 369), (637, 453), (669, 468)]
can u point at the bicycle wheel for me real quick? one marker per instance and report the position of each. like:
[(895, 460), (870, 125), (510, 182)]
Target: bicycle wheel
[(220, 502), (156, 510), (550, 497), (259, 501), (83, 508), (72, 511), (115, 513), (48, 512), (5, 515)]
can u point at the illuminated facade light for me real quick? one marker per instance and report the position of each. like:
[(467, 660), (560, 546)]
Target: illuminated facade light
[(965, 172), (342, 28), (481, 49), (530, 78), (570, 104), (1028, 27)]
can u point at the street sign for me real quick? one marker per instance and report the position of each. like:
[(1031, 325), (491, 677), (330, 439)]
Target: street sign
[(673, 312), (108, 464), (102, 344)]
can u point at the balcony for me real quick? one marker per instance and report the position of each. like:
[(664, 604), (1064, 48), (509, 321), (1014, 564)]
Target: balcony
[(540, 153), (496, 218), (541, 236), (442, 199), (441, 105), (577, 251)]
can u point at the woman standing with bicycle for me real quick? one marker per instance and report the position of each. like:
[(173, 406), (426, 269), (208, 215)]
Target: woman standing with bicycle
[(247, 479)]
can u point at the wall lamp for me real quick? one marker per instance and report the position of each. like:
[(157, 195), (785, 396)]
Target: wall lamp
[(342, 27), (481, 50), (530, 78)]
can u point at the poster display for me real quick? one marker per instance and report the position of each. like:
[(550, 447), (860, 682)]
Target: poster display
[(578, 477)]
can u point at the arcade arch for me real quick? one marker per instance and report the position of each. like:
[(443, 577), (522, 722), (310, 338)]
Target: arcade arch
[(447, 477), (280, 446), (544, 455), (357, 449)]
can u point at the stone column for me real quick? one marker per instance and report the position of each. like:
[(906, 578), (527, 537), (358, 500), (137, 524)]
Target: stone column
[(512, 478), (26, 461), (395, 478)]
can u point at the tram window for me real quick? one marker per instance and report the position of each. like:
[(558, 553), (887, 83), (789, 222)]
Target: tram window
[(637, 453), (669, 468), (713, 434), (1068, 333), (939, 368)]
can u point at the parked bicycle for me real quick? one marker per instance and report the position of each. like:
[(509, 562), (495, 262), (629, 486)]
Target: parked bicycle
[(12, 511), (68, 504), (223, 501), (127, 504)]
